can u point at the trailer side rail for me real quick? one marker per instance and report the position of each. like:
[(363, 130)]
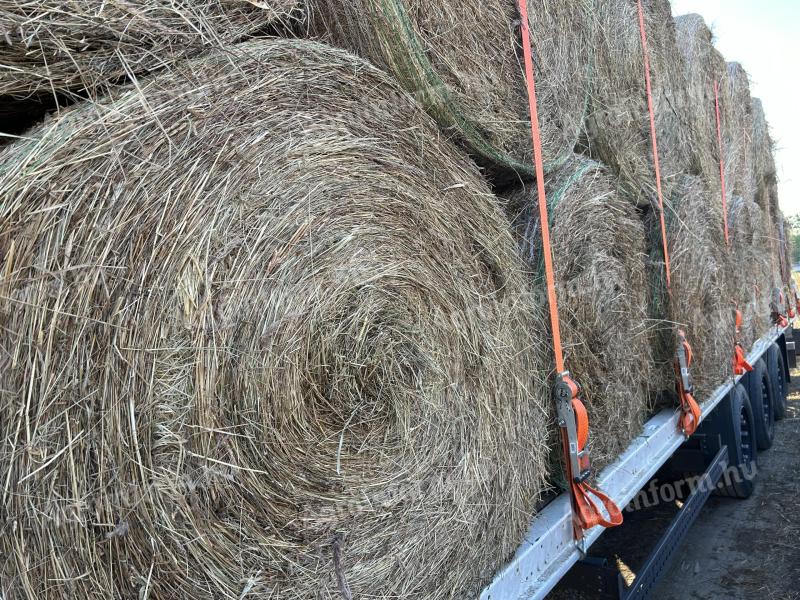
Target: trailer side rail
[(549, 550)]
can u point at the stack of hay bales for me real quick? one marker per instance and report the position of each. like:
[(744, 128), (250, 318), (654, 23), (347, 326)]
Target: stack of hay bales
[(599, 252), (278, 346), (269, 333), (746, 281)]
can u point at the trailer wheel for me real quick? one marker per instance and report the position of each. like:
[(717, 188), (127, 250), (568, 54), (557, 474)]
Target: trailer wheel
[(761, 392), (738, 481), (775, 366)]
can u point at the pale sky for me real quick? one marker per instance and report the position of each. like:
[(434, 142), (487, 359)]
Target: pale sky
[(765, 37)]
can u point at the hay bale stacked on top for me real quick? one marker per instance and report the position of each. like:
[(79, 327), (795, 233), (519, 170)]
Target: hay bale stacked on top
[(739, 135), (261, 347), (766, 188), (763, 160), (702, 300), (461, 60), (60, 46), (704, 67), (618, 126), (599, 253)]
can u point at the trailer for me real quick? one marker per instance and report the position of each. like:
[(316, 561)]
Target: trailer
[(737, 421)]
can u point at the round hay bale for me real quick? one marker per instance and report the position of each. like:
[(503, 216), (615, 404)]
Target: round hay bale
[(58, 46), (278, 346), (703, 66), (702, 302), (602, 295), (785, 250), (751, 273), (763, 148), (763, 161), (740, 134), (462, 61), (618, 127)]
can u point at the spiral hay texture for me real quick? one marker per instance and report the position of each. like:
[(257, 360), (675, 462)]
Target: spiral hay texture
[(618, 127), (273, 347), (599, 253), (702, 303), (60, 46), (462, 61)]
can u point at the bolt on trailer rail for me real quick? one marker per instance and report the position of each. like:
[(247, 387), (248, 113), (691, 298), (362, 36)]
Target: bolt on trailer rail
[(549, 549)]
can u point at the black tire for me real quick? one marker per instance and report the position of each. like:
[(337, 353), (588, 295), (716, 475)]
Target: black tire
[(761, 392), (775, 367), (738, 481)]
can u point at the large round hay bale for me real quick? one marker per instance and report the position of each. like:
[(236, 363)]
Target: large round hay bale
[(618, 127), (702, 301), (703, 67), (272, 347), (762, 148), (599, 253), (740, 134), (462, 61), (787, 247), (751, 271), (63, 46), (765, 173)]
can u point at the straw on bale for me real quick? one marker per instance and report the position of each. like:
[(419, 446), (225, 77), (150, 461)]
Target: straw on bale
[(275, 347), (762, 146), (702, 302), (765, 176), (599, 253), (462, 61), (780, 228), (740, 134), (618, 131), (60, 46), (786, 250), (704, 67), (751, 272)]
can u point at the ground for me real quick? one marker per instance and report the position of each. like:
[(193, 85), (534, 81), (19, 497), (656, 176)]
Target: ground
[(737, 549)]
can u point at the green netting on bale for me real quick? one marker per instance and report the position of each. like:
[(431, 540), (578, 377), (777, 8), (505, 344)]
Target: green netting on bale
[(484, 103)]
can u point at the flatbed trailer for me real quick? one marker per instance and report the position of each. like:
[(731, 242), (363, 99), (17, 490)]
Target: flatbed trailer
[(549, 551)]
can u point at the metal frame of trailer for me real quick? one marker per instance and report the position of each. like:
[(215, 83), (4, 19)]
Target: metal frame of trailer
[(549, 550)]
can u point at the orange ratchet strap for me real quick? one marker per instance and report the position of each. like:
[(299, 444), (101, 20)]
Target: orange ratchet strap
[(572, 416), (740, 364), (653, 137), (690, 411), (777, 306), (721, 162)]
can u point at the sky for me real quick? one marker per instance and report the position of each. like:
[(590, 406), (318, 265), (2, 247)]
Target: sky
[(764, 35)]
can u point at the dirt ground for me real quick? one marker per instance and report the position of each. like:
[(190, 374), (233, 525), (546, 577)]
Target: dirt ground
[(737, 549)]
